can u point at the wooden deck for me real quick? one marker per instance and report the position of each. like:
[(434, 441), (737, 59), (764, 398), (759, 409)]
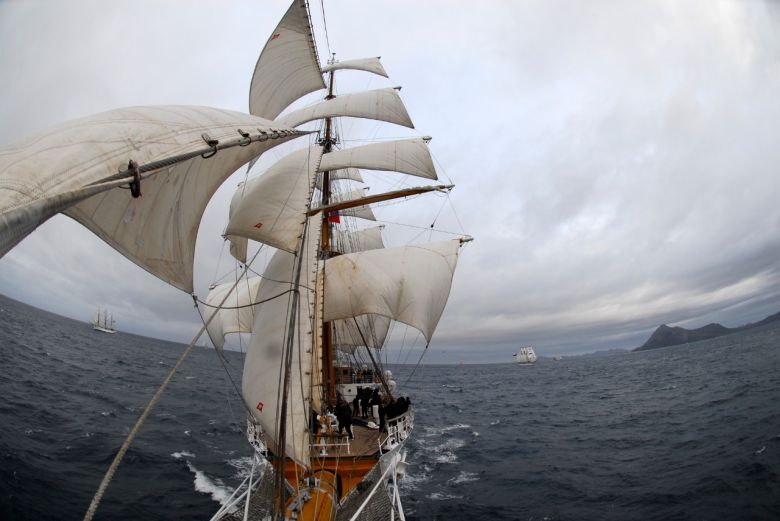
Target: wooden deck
[(366, 443)]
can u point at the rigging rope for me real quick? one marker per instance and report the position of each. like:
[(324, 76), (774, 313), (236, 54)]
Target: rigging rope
[(138, 424), (325, 25)]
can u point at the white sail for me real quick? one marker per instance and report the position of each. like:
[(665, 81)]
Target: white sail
[(362, 212), (236, 314), (271, 208), (346, 174), (408, 156), (365, 330), (359, 240), (49, 171), (264, 361), (288, 67), (372, 65), (409, 284), (380, 105), (525, 355), (238, 247)]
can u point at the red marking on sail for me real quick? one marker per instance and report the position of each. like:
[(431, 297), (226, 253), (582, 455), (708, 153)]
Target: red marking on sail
[(260, 406), (259, 225), (274, 37)]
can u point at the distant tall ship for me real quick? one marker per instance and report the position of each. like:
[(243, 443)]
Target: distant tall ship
[(104, 322), (525, 356)]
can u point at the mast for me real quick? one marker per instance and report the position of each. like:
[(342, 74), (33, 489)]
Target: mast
[(328, 373)]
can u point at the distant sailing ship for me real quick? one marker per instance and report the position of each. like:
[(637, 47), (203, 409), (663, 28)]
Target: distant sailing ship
[(104, 322), (525, 356)]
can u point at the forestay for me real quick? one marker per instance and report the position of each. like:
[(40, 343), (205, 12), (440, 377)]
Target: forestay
[(288, 67), (409, 284), (156, 231)]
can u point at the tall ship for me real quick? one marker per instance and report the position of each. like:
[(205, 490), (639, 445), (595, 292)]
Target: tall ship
[(327, 421), (525, 356), (103, 322)]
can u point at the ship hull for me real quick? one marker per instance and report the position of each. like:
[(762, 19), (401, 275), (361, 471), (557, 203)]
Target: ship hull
[(103, 330)]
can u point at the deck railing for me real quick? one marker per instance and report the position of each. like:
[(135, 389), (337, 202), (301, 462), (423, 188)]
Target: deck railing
[(398, 429)]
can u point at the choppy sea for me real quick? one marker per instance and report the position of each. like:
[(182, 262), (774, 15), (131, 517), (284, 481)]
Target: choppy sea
[(688, 432)]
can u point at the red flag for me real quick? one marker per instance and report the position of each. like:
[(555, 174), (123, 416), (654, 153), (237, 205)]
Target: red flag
[(334, 218)]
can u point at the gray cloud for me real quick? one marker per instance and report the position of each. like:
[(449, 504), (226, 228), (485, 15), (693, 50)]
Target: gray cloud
[(614, 160)]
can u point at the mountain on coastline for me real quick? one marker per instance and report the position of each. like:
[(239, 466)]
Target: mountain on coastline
[(666, 336)]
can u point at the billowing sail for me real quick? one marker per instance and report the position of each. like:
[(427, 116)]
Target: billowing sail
[(271, 208), (409, 284), (236, 314), (261, 382), (365, 330), (288, 67), (408, 156), (372, 65), (380, 105), (238, 245), (53, 169)]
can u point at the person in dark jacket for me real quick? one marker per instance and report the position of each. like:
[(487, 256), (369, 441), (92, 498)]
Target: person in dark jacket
[(356, 402), (365, 401), (344, 417)]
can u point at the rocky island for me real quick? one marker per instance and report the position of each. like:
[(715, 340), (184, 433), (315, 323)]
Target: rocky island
[(666, 336)]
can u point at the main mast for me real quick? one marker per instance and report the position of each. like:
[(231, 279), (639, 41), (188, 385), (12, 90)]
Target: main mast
[(328, 373)]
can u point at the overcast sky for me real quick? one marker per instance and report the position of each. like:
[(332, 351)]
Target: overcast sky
[(615, 161)]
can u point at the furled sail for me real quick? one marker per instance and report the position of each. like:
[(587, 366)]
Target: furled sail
[(409, 284), (372, 65), (264, 361), (271, 208), (156, 231), (408, 156), (236, 314), (380, 105), (288, 67)]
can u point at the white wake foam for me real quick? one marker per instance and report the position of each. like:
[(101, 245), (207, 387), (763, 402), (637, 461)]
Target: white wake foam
[(463, 477), (183, 454), (215, 488)]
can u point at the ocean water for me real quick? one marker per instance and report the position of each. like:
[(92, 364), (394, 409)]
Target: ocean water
[(689, 432)]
